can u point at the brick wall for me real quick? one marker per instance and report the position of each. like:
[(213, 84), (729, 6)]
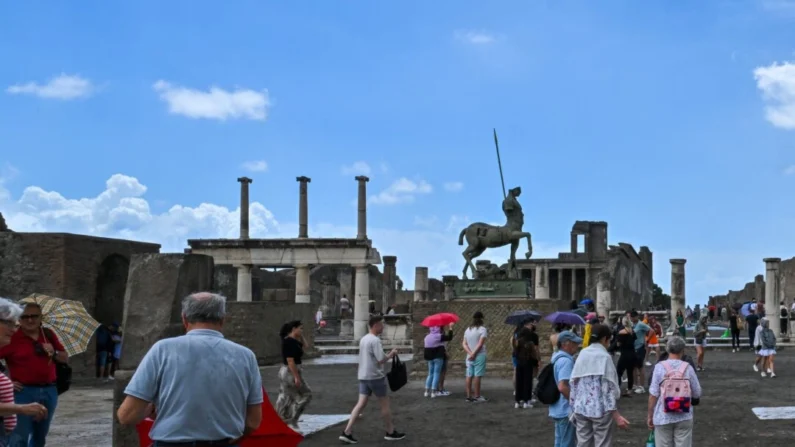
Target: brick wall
[(499, 340), (256, 325)]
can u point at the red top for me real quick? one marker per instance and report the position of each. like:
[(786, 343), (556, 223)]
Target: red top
[(24, 364)]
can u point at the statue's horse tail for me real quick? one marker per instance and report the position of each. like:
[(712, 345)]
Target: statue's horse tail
[(461, 237)]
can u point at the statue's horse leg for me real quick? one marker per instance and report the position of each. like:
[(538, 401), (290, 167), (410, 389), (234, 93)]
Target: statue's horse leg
[(529, 245), (472, 251)]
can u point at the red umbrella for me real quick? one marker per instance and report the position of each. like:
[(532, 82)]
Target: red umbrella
[(272, 431), (442, 319)]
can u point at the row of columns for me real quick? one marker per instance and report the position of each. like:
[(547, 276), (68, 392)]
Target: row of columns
[(542, 284), (302, 283)]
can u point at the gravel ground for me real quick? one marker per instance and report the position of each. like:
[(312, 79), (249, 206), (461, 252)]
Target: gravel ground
[(731, 390)]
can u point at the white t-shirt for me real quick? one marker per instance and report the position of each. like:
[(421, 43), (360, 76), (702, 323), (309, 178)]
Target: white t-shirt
[(473, 335), (371, 353)]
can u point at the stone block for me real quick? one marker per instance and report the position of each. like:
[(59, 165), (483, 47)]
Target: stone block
[(156, 285), (123, 435)]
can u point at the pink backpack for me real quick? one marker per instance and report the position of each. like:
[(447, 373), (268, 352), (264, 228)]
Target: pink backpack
[(675, 390)]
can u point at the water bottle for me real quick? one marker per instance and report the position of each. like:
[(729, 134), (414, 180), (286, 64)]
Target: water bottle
[(650, 441)]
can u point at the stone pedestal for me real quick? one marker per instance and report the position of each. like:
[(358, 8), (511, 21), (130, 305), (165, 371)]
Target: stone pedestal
[(421, 284), (677, 287), (542, 282), (390, 273), (604, 296), (361, 308), (244, 283), (303, 207), (123, 435), (302, 285), (361, 232), (449, 286), (244, 182), (772, 266), (346, 328)]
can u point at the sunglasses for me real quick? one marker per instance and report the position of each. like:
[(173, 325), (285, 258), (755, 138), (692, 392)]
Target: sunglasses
[(30, 317)]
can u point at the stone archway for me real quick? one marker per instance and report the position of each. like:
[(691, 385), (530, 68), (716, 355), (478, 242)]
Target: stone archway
[(111, 284)]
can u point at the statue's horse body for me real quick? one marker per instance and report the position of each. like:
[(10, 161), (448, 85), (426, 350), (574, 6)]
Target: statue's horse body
[(480, 236)]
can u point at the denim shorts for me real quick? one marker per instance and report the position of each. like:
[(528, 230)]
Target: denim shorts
[(370, 387)]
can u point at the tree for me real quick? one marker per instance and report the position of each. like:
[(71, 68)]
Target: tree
[(659, 299)]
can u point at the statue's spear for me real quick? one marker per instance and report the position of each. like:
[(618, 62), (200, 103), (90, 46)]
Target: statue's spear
[(499, 163)]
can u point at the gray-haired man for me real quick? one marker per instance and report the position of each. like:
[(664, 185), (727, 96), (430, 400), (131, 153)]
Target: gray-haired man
[(207, 390)]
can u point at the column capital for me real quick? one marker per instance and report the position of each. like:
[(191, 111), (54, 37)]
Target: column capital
[(389, 260), (244, 180), (772, 260), (678, 261), (361, 266), (301, 266), (303, 179), (362, 178)]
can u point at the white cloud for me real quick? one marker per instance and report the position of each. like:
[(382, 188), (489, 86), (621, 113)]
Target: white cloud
[(62, 87), (453, 186), (475, 37), (402, 190), (427, 222), (255, 166), (216, 103), (357, 168), (790, 170), (777, 83)]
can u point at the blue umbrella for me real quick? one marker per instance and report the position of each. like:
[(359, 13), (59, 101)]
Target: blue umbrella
[(569, 318), (746, 309), (586, 302), (520, 316)]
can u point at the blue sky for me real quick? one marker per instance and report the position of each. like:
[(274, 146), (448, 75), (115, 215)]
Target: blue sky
[(673, 121)]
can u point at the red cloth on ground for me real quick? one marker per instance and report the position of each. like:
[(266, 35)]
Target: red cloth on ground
[(272, 431)]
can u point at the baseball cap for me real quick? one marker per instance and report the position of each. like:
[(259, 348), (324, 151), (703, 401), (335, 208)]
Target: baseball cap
[(569, 336)]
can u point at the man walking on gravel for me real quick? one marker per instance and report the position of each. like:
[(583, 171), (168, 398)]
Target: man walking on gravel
[(372, 380)]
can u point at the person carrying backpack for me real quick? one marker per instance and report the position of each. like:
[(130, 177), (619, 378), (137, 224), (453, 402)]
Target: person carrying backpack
[(561, 366), (674, 387)]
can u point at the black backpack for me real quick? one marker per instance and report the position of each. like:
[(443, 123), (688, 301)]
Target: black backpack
[(63, 372), (547, 389)]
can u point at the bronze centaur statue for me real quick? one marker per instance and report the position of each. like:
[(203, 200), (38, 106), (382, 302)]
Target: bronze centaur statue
[(481, 236)]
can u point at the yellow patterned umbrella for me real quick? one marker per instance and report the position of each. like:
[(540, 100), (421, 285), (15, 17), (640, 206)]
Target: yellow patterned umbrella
[(68, 319)]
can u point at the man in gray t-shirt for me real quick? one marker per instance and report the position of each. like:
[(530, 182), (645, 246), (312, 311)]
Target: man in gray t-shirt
[(203, 387), (372, 380)]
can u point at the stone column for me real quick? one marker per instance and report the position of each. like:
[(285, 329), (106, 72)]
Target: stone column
[(573, 243), (303, 207), (361, 307), (574, 285), (244, 182), (677, 287), (302, 285), (390, 271), (449, 284), (244, 282), (604, 296), (772, 266), (542, 282), (421, 284), (560, 285), (361, 232)]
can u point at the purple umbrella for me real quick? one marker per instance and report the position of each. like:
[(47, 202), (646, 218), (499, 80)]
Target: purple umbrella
[(568, 318)]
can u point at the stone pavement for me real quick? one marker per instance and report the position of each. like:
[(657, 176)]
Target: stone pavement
[(733, 394)]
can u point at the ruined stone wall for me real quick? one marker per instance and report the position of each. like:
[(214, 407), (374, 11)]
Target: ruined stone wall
[(498, 345), (70, 266), (756, 289), (256, 325), (632, 279)]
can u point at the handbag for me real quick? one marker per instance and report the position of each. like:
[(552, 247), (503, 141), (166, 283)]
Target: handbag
[(397, 376), (63, 372)]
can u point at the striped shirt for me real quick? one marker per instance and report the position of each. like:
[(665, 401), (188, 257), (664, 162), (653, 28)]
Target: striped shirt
[(7, 397)]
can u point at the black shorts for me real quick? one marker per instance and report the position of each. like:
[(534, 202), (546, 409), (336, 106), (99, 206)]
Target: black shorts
[(640, 357)]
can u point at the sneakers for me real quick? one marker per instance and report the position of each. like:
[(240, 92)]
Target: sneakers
[(479, 399), (648, 363), (639, 390), (394, 436), (769, 371), (772, 375), (427, 393), (527, 405), (518, 405), (442, 393), (756, 368), (763, 374), (348, 439)]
